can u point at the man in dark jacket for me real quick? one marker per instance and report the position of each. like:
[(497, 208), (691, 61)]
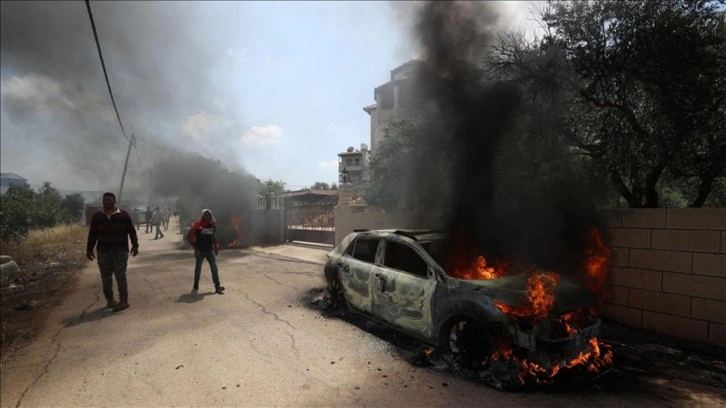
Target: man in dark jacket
[(202, 238), (111, 229)]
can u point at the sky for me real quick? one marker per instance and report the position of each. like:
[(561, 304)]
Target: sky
[(273, 89)]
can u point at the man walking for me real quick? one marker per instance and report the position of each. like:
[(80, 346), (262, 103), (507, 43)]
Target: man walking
[(110, 231), (147, 215), (156, 221), (201, 237)]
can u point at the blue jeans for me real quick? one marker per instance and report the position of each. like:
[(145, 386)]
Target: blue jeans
[(209, 255)]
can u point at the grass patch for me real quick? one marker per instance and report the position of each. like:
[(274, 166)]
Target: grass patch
[(46, 244), (48, 259)]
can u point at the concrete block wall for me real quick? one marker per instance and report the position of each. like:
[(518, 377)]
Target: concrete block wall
[(669, 271), (346, 221)]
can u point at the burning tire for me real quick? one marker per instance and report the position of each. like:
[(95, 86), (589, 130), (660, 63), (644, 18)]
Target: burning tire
[(467, 343), (334, 295)]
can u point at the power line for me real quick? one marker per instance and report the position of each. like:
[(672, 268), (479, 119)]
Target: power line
[(169, 149), (103, 64), (137, 157)]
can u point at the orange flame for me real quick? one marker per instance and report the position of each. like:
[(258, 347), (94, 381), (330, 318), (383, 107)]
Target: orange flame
[(597, 264), (541, 285), (236, 222), (540, 296)]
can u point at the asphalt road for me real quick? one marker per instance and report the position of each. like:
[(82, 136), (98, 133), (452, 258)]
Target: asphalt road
[(263, 343)]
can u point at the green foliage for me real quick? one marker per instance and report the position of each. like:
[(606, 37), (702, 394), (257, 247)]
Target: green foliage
[(22, 209), (73, 204), (411, 151), (16, 207), (319, 185), (638, 88), (276, 187)]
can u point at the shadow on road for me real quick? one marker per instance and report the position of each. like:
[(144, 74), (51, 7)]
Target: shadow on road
[(193, 297), (97, 314)]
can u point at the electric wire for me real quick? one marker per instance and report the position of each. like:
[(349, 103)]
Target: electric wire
[(103, 65), (138, 158)]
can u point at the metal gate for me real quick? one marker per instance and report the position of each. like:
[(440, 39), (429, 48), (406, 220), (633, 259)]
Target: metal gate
[(309, 215)]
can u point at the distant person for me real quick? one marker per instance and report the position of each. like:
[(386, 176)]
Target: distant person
[(156, 220), (109, 232), (148, 214), (202, 238), (165, 215)]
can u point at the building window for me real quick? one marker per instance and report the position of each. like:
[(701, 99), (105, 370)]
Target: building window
[(357, 162), (348, 162)]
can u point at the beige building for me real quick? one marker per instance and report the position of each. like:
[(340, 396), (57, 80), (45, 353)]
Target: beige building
[(353, 165), (395, 100)]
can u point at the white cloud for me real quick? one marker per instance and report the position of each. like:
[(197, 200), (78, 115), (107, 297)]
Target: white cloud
[(331, 164), (219, 104), (263, 135)]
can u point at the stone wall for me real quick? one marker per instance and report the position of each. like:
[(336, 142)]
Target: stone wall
[(669, 271), (668, 274)]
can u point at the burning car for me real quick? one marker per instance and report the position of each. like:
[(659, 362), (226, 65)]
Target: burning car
[(473, 312)]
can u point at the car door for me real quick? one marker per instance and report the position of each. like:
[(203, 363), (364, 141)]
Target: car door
[(355, 269), (403, 287)]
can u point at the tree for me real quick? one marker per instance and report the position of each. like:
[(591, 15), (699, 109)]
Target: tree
[(73, 206), (403, 168), (15, 210), (641, 87), (47, 210), (276, 187), (319, 185)]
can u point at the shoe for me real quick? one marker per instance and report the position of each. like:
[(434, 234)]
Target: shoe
[(219, 290), (121, 306), (111, 303)]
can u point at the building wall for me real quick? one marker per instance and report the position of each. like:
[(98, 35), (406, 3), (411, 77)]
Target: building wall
[(668, 273)]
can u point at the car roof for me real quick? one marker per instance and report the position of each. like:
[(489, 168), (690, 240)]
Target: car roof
[(420, 235)]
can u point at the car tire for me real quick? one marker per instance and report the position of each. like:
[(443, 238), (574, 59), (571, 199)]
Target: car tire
[(467, 344), (335, 293)]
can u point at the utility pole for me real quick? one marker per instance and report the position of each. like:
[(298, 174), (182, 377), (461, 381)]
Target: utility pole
[(132, 141)]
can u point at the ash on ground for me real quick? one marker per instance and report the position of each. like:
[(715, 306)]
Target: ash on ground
[(639, 357)]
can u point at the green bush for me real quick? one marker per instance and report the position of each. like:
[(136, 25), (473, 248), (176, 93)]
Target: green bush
[(22, 209)]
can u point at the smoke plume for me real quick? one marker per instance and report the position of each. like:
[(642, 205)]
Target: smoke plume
[(488, 200), (55, 105)]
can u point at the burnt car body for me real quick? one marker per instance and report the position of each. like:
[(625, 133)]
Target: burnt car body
[(395, 277)]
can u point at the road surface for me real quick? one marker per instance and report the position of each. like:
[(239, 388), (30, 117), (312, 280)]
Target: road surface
[(261, 344)]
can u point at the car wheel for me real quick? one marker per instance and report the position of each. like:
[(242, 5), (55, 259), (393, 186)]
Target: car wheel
[(467, 343), (335, 293)]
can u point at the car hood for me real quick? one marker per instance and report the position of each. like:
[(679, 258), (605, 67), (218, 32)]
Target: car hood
[(512, 290)]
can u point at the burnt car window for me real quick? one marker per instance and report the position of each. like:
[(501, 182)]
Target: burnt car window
[(364, 249), (404, 258), (435, 249)]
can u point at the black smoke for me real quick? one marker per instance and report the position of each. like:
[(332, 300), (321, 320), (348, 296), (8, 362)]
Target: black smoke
[(488, 199), (198, 183), (55, 103)]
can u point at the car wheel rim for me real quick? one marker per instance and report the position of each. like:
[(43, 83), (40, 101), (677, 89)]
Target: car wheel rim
[(470, 344)]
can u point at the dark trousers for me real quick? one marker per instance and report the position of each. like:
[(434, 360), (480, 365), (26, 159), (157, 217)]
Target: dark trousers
[(159, 234), (113, 263), (212, 259)]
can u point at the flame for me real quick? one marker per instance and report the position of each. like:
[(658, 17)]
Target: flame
[(593, 360), (467, 264), (236, 222), (597, 263), (540, 298)]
